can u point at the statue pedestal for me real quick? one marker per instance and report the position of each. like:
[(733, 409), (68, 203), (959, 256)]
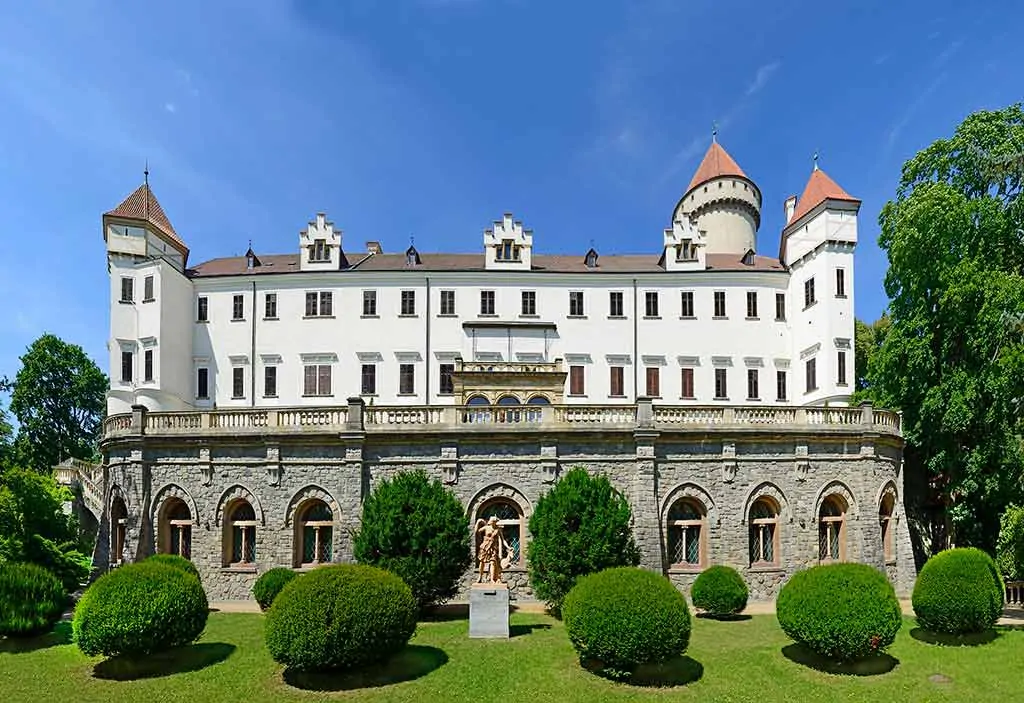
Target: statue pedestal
[(488, 610)]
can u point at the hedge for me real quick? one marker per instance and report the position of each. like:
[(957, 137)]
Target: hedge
[(958, 592), (270, 584), (719, 591), (32, 600)]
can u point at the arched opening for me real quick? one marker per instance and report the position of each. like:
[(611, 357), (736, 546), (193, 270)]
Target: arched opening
[(832, 529), (538, 400), (176, 528), (508, 400), (687, 520), (478, 400), (240, 540), (510, 519), (118, 530), (885, 511), (764, 532), (316, 530)]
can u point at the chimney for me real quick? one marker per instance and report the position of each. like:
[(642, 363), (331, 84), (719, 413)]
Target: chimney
[(373, 248), (790, 207)]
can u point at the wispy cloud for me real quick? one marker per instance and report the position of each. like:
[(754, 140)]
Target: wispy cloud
[(946, 54), (170, 107), (908, 114), (761, 78)]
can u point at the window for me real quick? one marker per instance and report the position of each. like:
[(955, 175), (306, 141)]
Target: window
[(176, 529), (507, 251), (809, 293), (753, 391), (651, 304), (316, 379), (406, 379), (368, 380), (316, 526), (576, 386), (487, 302), (270, 306), (653, 382), (719, 303), (687, 304), (369, 303), (202, 383), (319, 250), (326, 303), (529, 308), (721, 383), (832, 529), (447, 382), (618, 381), (447, 302), (241, 528), (408, 302), (885, 510), (615, 304), (127, 366), (811, 375), (270, 382), (752, 304), (147, 289), (686, 251), (841, 367), (780, 306), (686, 520), (127, 290), (238, 307), (687, 383), (147, 366), (780, 385), (840, 283), (319, 304), (510, 520), (119, 525), (202, 309), (575, 303), (238, 382), (764, 533)]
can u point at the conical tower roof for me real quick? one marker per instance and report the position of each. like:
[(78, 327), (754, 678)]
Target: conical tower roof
[(142, 205), (716, 163), (819, 188)]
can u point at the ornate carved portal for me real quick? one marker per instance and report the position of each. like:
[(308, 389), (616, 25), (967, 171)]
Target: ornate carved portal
[(508, 383)]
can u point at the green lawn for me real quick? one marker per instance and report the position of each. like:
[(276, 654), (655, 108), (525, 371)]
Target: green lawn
[(735, 661)]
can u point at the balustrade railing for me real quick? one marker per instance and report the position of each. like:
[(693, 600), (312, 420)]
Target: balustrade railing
[(1015, 594)]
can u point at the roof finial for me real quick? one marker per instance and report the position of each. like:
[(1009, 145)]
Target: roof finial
[(815, 159), (145, 173), (412, 241), (714, 132)]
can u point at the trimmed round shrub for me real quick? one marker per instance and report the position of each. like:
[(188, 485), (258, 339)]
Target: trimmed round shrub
[(32, 600), (269, 584), (581, 526), (416, 528), (339, 617), (841, 611), (139, 609), (720, 590), (176, 561), (621, 618), (958, 592)]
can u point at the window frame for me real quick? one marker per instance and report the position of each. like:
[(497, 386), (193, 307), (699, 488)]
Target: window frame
[(616, 299), (841, 367), (753, 385), (781, 385), (320, 373), (809, 293), (811, 375), (406, 379), (528, 303), (237, 382), (721, 383), (369, 303), (780, 307), (826, 525), (238, 307), (148, 365), (758, 527), (319, 527), (202, 308), (446, 379), (687, 387), (840, 282), (447, 303), (577, 307), (407, 303), (487, 302), (127, 289), (148, 289), (682, 525), (687, 310), (651, 304), (577, 380), (244, 527), (752, 305), (720, 309), (270, 306), (202, 379), (127, 366), (270, 381), (617, 376), (652, 380)]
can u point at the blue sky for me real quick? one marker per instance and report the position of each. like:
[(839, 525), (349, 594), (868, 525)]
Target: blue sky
[(432, 117)]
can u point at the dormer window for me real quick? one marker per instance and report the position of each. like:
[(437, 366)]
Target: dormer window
[(412, 257), (686, 251), (591, 259), (508, 251), (319, 250)]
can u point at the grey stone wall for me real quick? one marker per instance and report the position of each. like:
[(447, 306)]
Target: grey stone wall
[(652, 468)]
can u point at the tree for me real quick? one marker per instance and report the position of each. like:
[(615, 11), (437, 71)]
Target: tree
[(581, 526), (6, 440), (867, 340), (417, 528), (1010, 547), (953, 358), (58, 398)]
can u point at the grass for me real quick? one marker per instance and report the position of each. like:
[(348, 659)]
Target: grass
[(731, 661)]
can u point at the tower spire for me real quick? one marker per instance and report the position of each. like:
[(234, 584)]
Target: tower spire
[(145, 173), (714, 132), (815, 159)]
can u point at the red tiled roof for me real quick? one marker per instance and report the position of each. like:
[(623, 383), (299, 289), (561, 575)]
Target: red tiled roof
[(819, 189), (143, 205), (716, 163)]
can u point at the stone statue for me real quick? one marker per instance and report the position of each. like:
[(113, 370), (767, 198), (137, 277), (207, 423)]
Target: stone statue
[(493, 549)]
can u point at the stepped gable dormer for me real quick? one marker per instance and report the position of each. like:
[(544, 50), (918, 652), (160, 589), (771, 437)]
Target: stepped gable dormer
[(723, 202), (821, 196), (320, 246), (684, 247), (507, 246), (139, 227)]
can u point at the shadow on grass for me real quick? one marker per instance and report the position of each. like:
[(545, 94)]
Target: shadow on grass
[(60, 634), (520, 630), (677, 671), (175, 661), (973, 639), (411, 663), (736, 617), (868, 666), (446, 613)]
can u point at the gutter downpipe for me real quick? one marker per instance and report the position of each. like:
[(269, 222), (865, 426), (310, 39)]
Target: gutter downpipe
[(426, 360), (636, 358), (252, 353)]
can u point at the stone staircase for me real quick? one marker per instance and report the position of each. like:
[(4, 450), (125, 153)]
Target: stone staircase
[(86, 481)]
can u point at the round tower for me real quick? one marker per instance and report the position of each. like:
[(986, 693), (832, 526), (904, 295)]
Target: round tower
[(722, 202)]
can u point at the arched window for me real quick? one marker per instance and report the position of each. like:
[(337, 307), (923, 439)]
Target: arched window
[(686, 533), (118, 529), (832, 529), (477, 400), (510, 411), (764, 532), (241, 527), (538, 400), (176, 529), (510, 519), (885, 510), (508, 400), (317, 525)]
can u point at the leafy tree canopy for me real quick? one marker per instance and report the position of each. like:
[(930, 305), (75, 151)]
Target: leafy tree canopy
[(953, 357), (868, 338), (58, 397)]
